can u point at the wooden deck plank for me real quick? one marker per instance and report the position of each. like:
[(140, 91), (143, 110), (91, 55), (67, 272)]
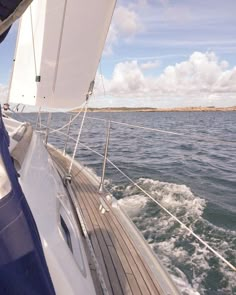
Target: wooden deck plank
[(124, 270), (113, 253), (131, 260), (143, 279), (138, 262), (133, 283), (130, 253), (120, 272), (96, 282), (92, 229), (152, 284), (87, 189), (100, 232), (119, 239), (115, 242), (107, 248), (115, 238)]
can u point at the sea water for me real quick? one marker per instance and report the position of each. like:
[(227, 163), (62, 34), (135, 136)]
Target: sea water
[(192, 174)]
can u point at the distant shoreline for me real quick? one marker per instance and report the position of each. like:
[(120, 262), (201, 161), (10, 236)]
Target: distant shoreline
[(181, 109)]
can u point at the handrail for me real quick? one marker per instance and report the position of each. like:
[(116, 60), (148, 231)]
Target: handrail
[(194, 137), (137, 126), (106, 159), (158, 203)]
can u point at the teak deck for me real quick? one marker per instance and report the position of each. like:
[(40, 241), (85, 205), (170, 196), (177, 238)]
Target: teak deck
[(123, 268)]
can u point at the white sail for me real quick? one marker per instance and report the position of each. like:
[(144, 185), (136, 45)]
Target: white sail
[(23, 88), (66, 46)]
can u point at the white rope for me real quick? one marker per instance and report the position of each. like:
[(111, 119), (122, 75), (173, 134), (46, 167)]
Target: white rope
[(163, 208), (137, 126), (148, 128), (96, 119), (167, 211), (78, 137), (141, 189), (72, 120), (173, 216), (193, 137)]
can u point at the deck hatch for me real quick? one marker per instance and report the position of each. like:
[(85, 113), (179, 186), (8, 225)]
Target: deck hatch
[(66, 233)]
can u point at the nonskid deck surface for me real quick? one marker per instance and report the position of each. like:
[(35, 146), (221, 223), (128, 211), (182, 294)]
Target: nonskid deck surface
[(123, 268)]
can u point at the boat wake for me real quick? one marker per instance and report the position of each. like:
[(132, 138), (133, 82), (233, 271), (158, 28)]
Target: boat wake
[(194, 269)]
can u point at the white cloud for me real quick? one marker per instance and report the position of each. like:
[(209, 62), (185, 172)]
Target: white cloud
[(127, 78), (112, 39), (200, 80), (150, 65), (125, 25), (126, 21)]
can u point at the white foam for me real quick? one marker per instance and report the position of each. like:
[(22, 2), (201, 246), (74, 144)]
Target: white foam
[(91, 172), (133, 204), (171, 242), (184, 286)]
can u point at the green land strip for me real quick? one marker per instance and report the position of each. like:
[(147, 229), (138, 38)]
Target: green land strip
[(180, 109)]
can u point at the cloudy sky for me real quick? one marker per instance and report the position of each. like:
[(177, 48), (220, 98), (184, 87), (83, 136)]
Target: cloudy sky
[(162, 53)]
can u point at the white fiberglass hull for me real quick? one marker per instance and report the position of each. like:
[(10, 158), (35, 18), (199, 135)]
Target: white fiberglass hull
[(49, 204), (48, 200)]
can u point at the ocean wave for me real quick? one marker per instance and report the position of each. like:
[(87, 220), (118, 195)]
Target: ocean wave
[(194, 269)]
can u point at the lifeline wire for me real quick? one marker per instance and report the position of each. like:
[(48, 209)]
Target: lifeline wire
[(168, 212), (67, 124), (147, 194), (162, 131), (161, 206)]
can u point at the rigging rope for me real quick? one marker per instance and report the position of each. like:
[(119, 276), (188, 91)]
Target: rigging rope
[(78, 137), (147, 128), (72, 120), (154, 200), (193, 137), (167, 211), (133, 182), (174, 217)]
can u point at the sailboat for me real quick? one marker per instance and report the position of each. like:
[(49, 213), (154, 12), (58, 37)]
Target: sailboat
[(61, 231), (60, 234)]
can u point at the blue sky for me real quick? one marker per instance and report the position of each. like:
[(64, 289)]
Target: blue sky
[(162, 53), (7, 49)]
